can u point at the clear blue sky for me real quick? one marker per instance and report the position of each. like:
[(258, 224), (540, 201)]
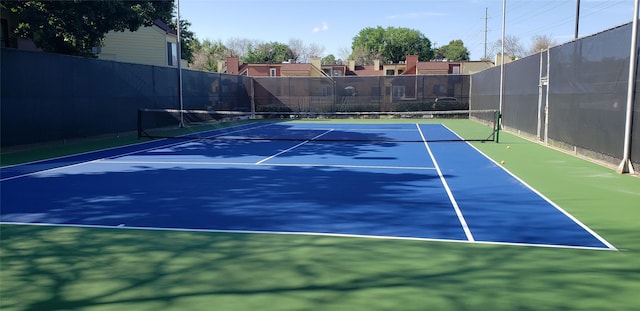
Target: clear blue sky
[(332, 24)]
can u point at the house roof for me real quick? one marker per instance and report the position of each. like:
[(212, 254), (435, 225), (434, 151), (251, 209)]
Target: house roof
[(433, 66), (162, 25), (411, 67), (366, 70), (286, 69)]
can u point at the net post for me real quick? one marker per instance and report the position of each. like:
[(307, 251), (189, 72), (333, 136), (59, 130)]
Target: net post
[(496, 126)]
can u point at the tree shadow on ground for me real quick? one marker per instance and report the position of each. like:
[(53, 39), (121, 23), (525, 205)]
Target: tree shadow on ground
[(57, 268)]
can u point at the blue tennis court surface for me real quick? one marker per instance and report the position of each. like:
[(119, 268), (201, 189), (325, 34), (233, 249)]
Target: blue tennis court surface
[(382, 181)]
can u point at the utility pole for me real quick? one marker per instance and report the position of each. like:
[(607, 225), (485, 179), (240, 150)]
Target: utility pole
[(486, 30), (575, 36)]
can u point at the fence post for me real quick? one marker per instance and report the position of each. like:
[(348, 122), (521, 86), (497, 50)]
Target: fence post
[(626, 166)]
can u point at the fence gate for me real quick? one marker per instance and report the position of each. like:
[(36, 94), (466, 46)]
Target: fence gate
[(543, 97)]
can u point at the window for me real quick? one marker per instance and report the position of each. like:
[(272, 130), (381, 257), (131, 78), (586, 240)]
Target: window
[(455, 70), (390, 72), (172, 54), (273, 72)]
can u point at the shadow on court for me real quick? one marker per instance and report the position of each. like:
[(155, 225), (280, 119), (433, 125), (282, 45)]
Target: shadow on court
[(361, 201)]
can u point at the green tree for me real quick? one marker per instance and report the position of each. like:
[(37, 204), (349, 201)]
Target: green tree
[(368, 45), (269, 53), (455, 51), (74, 27), (390, 45), (207, 54), (329, 60), (188, 40)]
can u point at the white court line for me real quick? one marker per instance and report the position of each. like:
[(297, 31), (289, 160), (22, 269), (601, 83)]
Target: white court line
[(87, 162), (463, 222), (294, 147), (384, 130), (102, 150), (47, 170), (268, 164), (578, 222), (204, 138), (298, 233)]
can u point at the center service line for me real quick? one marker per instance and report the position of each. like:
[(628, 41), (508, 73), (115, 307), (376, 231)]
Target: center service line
[(294, 147), (463, 222)]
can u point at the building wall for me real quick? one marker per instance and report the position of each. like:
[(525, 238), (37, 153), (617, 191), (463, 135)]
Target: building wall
[(260, 71), (147, 45), (299, 70), (434, 71), (469, 68)]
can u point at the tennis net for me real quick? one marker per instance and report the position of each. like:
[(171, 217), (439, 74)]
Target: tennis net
[(470, 125)]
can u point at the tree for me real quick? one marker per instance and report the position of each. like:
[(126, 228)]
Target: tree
[(362, 56), (329, 60), (298, 48), (314, 50), (541, 42), (187, 39), (75, 27), (239, 47), (269, 53), (207, 54), (343, 53), (512, 47), (455, 51), (368, 45), (390, 45), (303, 52)]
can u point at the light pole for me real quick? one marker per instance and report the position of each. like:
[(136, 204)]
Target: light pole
[(504, 14), (179, 45), (626, 166)]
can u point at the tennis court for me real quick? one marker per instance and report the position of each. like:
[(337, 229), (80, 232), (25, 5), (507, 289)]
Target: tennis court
[(389, 181)]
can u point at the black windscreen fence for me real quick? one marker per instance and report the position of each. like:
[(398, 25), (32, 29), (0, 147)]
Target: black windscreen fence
[(362, 94), (573, 95), (588, 92), (520, 102), (50, 97)]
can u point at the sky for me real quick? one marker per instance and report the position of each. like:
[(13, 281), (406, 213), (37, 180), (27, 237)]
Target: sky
[(332, 24)]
